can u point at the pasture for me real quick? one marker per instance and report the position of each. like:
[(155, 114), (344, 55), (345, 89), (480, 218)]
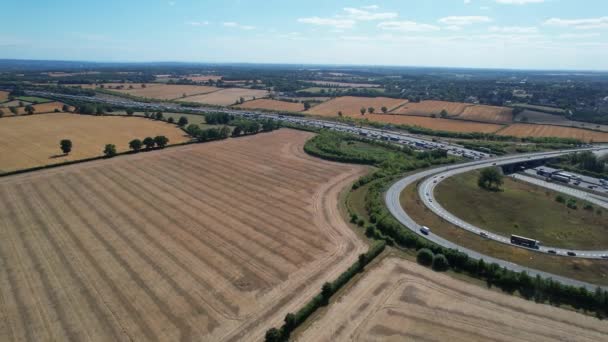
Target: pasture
[(351, 105), (214, 241), (399, 300), (530, 130), (273, 105), (227, 96), (33, 140)]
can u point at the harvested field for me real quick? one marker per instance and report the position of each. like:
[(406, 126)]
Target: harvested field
[(33, 140), (399, 300), (227, 96), (166, 91), (559, 120), (350, 105), (172, 245), (203, 78), (344, 84), (484, 113), (273, 105), (3, 96), (48, 107), (529, 130), (435, 123), (426, 108)]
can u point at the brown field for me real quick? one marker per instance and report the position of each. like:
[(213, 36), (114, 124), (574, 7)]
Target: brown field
[(33, 140), (273, 105), (344, 84), (203, 78), (42, 108), (559, 120), (350, 105), (399, 300), (3, 95), (484, 113), (166, 91), (426, 108), (529, 130), (434, 123), (228, 96), (205, 242)]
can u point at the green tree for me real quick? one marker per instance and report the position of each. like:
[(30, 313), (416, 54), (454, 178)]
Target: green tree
[(66, 146), (161, 141), (290, 323), (183, 121), (170, 120), (130, 111), (362, 110), (148, 142), (30, 109), (326, 291), (273, 335), (110, 150), (440, 263), (65, 108), (1, 113), (371, 110), (306, 105), (14, 110), (560, 199), (135, 145), (384, 109), (158, 115), (443, 113), (490, 179), (425, 257), (99, 110)]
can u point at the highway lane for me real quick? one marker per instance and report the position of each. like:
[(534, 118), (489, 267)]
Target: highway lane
[(394, 206), (598, 200)]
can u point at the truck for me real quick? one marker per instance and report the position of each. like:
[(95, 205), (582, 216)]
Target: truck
[(425, 230), (524, 241), (560, 178)]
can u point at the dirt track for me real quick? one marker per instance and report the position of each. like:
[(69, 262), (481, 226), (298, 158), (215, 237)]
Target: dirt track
[(216, 241), (398, 300)]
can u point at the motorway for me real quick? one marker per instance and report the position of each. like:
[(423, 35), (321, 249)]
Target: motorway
[(394, 206)]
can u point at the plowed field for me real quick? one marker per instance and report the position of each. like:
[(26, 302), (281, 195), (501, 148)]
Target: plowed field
[(206, 242), (351, 105), (402, 301), (273, 105), (527, 130)]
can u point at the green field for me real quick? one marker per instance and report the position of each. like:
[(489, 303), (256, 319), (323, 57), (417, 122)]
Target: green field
[(524, 209), (33, 99)]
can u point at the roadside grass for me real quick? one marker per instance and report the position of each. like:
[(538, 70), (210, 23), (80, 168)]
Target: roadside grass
[(592, 271), (192, 118), (526, 210)]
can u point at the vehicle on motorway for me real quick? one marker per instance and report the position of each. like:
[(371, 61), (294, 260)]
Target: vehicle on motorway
[(560, 178), (570, 253), (551, 251), (605, 256), (524, 241), (483, 234), (425, 230)]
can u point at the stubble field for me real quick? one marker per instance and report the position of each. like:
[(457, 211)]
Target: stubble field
[(273, 105), (484, 113), (529, 130), (426, 108), (351, 105), (3, 96), (33, 140), (42, 108), (227, 96), (214, 241), (402, 301), (434, 123), (165, 91)]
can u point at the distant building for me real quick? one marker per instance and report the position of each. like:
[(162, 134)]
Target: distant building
[(472, 99)]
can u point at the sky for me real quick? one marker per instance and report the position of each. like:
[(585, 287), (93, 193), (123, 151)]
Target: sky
[(521, 34)]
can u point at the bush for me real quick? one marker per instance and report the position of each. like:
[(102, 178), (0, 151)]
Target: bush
[(571, 204), (360, 223), (560, 199), (440, 263), (588, 207), (425, 257)]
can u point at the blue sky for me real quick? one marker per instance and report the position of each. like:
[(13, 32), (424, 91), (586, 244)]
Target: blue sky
[(532, 34)]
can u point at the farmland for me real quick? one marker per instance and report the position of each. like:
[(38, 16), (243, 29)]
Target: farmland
[(48, 107), (33, 140), (3, 96), (273, 105), (398, 300), (148, 247), (343, 84), (426, 108), (553, 119), (491, 114), (434, 123), (164, 91), (350, 105), (227, 96), (203, 78), (530, 130)]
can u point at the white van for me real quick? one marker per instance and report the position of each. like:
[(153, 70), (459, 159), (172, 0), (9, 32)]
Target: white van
[(425, 230)]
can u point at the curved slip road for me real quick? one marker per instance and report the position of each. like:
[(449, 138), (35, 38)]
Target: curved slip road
[(394, 206)]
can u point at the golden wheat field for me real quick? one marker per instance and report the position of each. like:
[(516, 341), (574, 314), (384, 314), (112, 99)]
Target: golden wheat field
[(205, 242), (351, 105), (427, 108), (227, 96), (530, 130), (434, 123)]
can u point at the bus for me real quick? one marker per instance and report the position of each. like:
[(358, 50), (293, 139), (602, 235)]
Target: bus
[(524, 241)]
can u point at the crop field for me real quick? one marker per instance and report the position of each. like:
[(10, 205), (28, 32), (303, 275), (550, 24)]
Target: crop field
[(33, 140), (41, 108), (399, 300), (166, 91), (546, 109), (203, 78), (214, 241), (273, 105), (434, 123), (484, 113), (344, 84), (426, 108), (3, 96), (350, 105), (529, 130), (227, 96), (553, 119)]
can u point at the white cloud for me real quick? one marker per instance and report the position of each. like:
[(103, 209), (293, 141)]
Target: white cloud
[(371, 7), (363, 15), (484, 8), (464, 20), (466, 2), (407, 26), (453, 28), (580, 24), (519, 2), (237, 25), (337, 23), (197, 23), (513, 29)]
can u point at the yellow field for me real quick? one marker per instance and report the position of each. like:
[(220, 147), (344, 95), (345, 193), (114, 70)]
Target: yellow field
[(33, 140), (487, 114), (48, 107), (435, 123), (3, 95), (227, 96), (203, 78), (529, 130), (426, 108), (351, 105), (273, 105)]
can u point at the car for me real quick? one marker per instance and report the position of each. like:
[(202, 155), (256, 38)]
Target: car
[(494, 164), (551, 251), (570, 253), (605, 256), (483, 234), (425, 230)]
